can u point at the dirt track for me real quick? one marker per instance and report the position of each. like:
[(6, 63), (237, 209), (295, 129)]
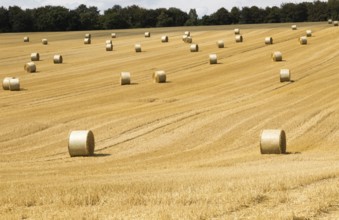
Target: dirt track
[(186, 149)]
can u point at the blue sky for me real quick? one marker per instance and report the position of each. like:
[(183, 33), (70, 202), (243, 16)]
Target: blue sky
[(202, 6)]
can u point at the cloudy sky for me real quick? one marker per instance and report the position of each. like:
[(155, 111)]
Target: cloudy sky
[(202, 6)]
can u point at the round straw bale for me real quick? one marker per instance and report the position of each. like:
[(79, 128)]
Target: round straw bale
[(81, 143), (238, 38), (30, 67), (303, 40), (308, 33), (108, 41), (5, 83), (220, 44), (26, 39), (35, 57), (268, 40), (189, 40), (277, 56), (14, 84), (44, 41), (187, 33), (273, 141), (109, 47), (184, 37), (213, 59), (294, 27), (194, 47), (137, 48), (164, 39), (159, 76), (330, 21), (87, 40), (237, 31), (88, 36), (147, 34), (113, 35), (57, 59), (125, 78), (285, 75), (335, 23)]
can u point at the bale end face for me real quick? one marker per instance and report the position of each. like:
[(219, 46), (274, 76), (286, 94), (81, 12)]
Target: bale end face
[(273, 141), (147, 34), (164, 39), (57, 59), (35, 56), (81, 143), (194, 48), (268, 40), (285, 75), (87, 41), (213, 59), (125, 78), (238, 39), (159, 76)]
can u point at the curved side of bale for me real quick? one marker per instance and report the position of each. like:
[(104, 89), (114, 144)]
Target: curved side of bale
[(44, 41), (113, 35), (26, 39), (285, 75), (303, 40), (137, 48), (30, 67), (330, 21), (236, 31), (108, 41), (194, 47), (273, 141), (187, 33), (125, 78), (57, 59), (109, 47), (81, 143), (159, 76), (87, 40), (213, 59), (268, 40), (294, 27), (277, 56), (220, 44), (189, 40), (35, 56), (5, 83), (14, 84), (164, 39), (335, 23), (309, 33), (88, 36), (238, 39), (147, 34)]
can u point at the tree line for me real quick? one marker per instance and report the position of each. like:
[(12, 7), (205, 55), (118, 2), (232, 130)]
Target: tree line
[(58, 18)]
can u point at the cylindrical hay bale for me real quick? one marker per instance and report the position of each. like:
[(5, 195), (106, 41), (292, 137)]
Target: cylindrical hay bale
[(26, 39), (194, 47), (87, 40), (220, 44), (147, 34), (303, 40), (285, 75), (335, 23), (268, 40), (184, 38), (35, 57), (44, 41), (109, 47), (213, 59), (108, 41), (5, 83), (330, 21), (294, 27), (164, 39), (159, 76), (30, 67), (187, 33), (14, 84), (137, 48), (237, 31), (57, 59), (113, 35), (309, 33), (189, 40), (81, 143), (88, 36), (277, 56), (273, 141), (125, 78), (238, 38)]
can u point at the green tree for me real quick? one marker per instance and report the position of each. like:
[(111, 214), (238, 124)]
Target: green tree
[(164, 20), (235, 15), (333, 6), (19, 20), (192, 18), (273, 15), (89, 17), (4, 20), (220, 17)]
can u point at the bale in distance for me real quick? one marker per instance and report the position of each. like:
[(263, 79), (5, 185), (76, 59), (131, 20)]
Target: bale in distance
[(164, 39), (330, 21), (44, 41), (57, 59), (159, 76), (137, 48), (89, 36), (303, 40), (26, 39), (81, 143), (5, 82), (213, 59), (108, 41), (125, 78), (268, 40), (189, 40), (87, 40), (14, 84), (30, 67), (113, 35), (147, 34), (194, 47), (335, 23), (309, 33), (187, 33), (220, 44), (294, 27), (236, 31), (285, 75), (273, 141), (109, 47), (35, 56), (238, 39), (277, 56)]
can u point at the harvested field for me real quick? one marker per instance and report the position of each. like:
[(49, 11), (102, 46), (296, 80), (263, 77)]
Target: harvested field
[(184, 149)]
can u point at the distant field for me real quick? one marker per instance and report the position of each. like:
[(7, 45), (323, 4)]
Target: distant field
[(186, 149)]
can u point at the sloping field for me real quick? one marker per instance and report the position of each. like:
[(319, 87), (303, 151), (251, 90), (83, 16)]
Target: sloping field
[(185, 149)]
